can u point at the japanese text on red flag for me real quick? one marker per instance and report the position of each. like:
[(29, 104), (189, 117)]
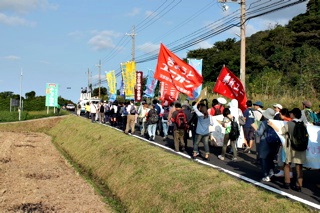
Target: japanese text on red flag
[(231, 87), (172, 70)]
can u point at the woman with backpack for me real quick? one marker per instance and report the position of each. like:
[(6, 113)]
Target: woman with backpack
[(202, 130), (267, 148), (295, 146), (152, 119), (230, 134)]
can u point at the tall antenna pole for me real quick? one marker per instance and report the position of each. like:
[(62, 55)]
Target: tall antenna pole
[(243, 43), (133, 34)]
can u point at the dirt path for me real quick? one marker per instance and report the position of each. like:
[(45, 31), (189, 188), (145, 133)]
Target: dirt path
[(35, 178)]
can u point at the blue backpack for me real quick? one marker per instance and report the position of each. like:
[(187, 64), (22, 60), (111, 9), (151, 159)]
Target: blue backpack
[(312, 117), (271, 136)]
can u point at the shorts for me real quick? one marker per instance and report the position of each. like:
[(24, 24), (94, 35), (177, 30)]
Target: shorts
[(248, 133)]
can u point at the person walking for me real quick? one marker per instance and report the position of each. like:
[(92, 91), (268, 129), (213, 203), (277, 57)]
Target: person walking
[(267, 150), (93, 111), (202, 130), (292, 155), (226, 123), (131, 118), (179, 120), (152, 119)]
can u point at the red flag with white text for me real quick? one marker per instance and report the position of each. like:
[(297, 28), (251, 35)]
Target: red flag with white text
[(168, 92), (172, 70), (231, 87)]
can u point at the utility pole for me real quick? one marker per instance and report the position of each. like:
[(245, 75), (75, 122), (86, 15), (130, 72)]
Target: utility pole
[(20, 104), (133, 42), (243, 43), (99, 66)]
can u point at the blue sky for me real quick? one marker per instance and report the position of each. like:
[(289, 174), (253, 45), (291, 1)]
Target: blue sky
[(58, 41)]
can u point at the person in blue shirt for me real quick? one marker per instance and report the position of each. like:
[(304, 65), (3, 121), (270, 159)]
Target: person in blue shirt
[(202, 130), (247, 128)]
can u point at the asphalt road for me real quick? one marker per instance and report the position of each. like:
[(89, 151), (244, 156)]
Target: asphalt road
[(246, 169)]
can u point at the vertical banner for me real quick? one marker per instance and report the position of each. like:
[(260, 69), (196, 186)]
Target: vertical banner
[(52, 94), (129, 78), (112, 85), (168, 92), (138, 89), (151, 85), (197, 65)]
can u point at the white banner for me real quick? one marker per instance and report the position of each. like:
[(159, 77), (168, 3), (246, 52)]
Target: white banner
[(312, 153)]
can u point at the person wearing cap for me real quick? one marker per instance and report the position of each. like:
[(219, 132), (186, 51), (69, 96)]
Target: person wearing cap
[(292, 156), (306, 113), (277, 108), (267, 151), (258, 105)]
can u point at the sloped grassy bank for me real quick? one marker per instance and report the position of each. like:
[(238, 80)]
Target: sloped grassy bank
[(145, 178), (148, 179)]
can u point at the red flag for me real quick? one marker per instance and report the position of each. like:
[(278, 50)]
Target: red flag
[(172, 70), (231, 87), (168, 92)]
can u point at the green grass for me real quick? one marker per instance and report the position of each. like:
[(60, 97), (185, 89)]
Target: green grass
[(134, 176), (7, 116)]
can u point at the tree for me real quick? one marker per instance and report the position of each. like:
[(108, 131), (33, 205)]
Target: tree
[(30, 95)]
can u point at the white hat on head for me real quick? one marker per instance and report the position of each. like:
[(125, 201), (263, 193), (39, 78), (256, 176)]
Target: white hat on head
[(222, 100), (278, 106)]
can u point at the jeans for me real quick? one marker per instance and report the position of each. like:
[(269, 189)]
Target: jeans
[(204, 139), (165, 128), (152, 130)]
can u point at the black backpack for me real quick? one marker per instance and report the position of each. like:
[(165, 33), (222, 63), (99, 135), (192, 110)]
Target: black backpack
[(300, 137), (153, 117), (234, 132)]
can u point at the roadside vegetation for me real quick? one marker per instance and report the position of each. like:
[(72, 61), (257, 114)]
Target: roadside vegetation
[(135, 176)]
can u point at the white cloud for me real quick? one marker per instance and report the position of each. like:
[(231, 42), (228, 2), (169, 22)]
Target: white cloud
[(103, 40), (24, 6), (148, 47), (12, 57), (15, 20), (204, 45), (76, 34), (135, 11)]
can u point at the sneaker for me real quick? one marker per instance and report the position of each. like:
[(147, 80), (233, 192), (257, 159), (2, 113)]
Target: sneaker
[(220, 157), (247, 150), (234, 159), (266, 179), (271, 173), (280, 174), (165, 137)]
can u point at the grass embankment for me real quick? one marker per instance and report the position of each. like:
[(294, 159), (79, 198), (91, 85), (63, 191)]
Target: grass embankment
[(148, 179)]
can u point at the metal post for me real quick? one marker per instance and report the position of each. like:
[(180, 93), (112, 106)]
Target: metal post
[(133, 34), (20, 105), (243, 44)]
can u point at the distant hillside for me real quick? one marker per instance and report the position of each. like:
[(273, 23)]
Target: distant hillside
[(284, 60)]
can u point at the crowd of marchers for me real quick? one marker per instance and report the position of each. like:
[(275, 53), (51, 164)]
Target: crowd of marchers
[(184, 121)]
